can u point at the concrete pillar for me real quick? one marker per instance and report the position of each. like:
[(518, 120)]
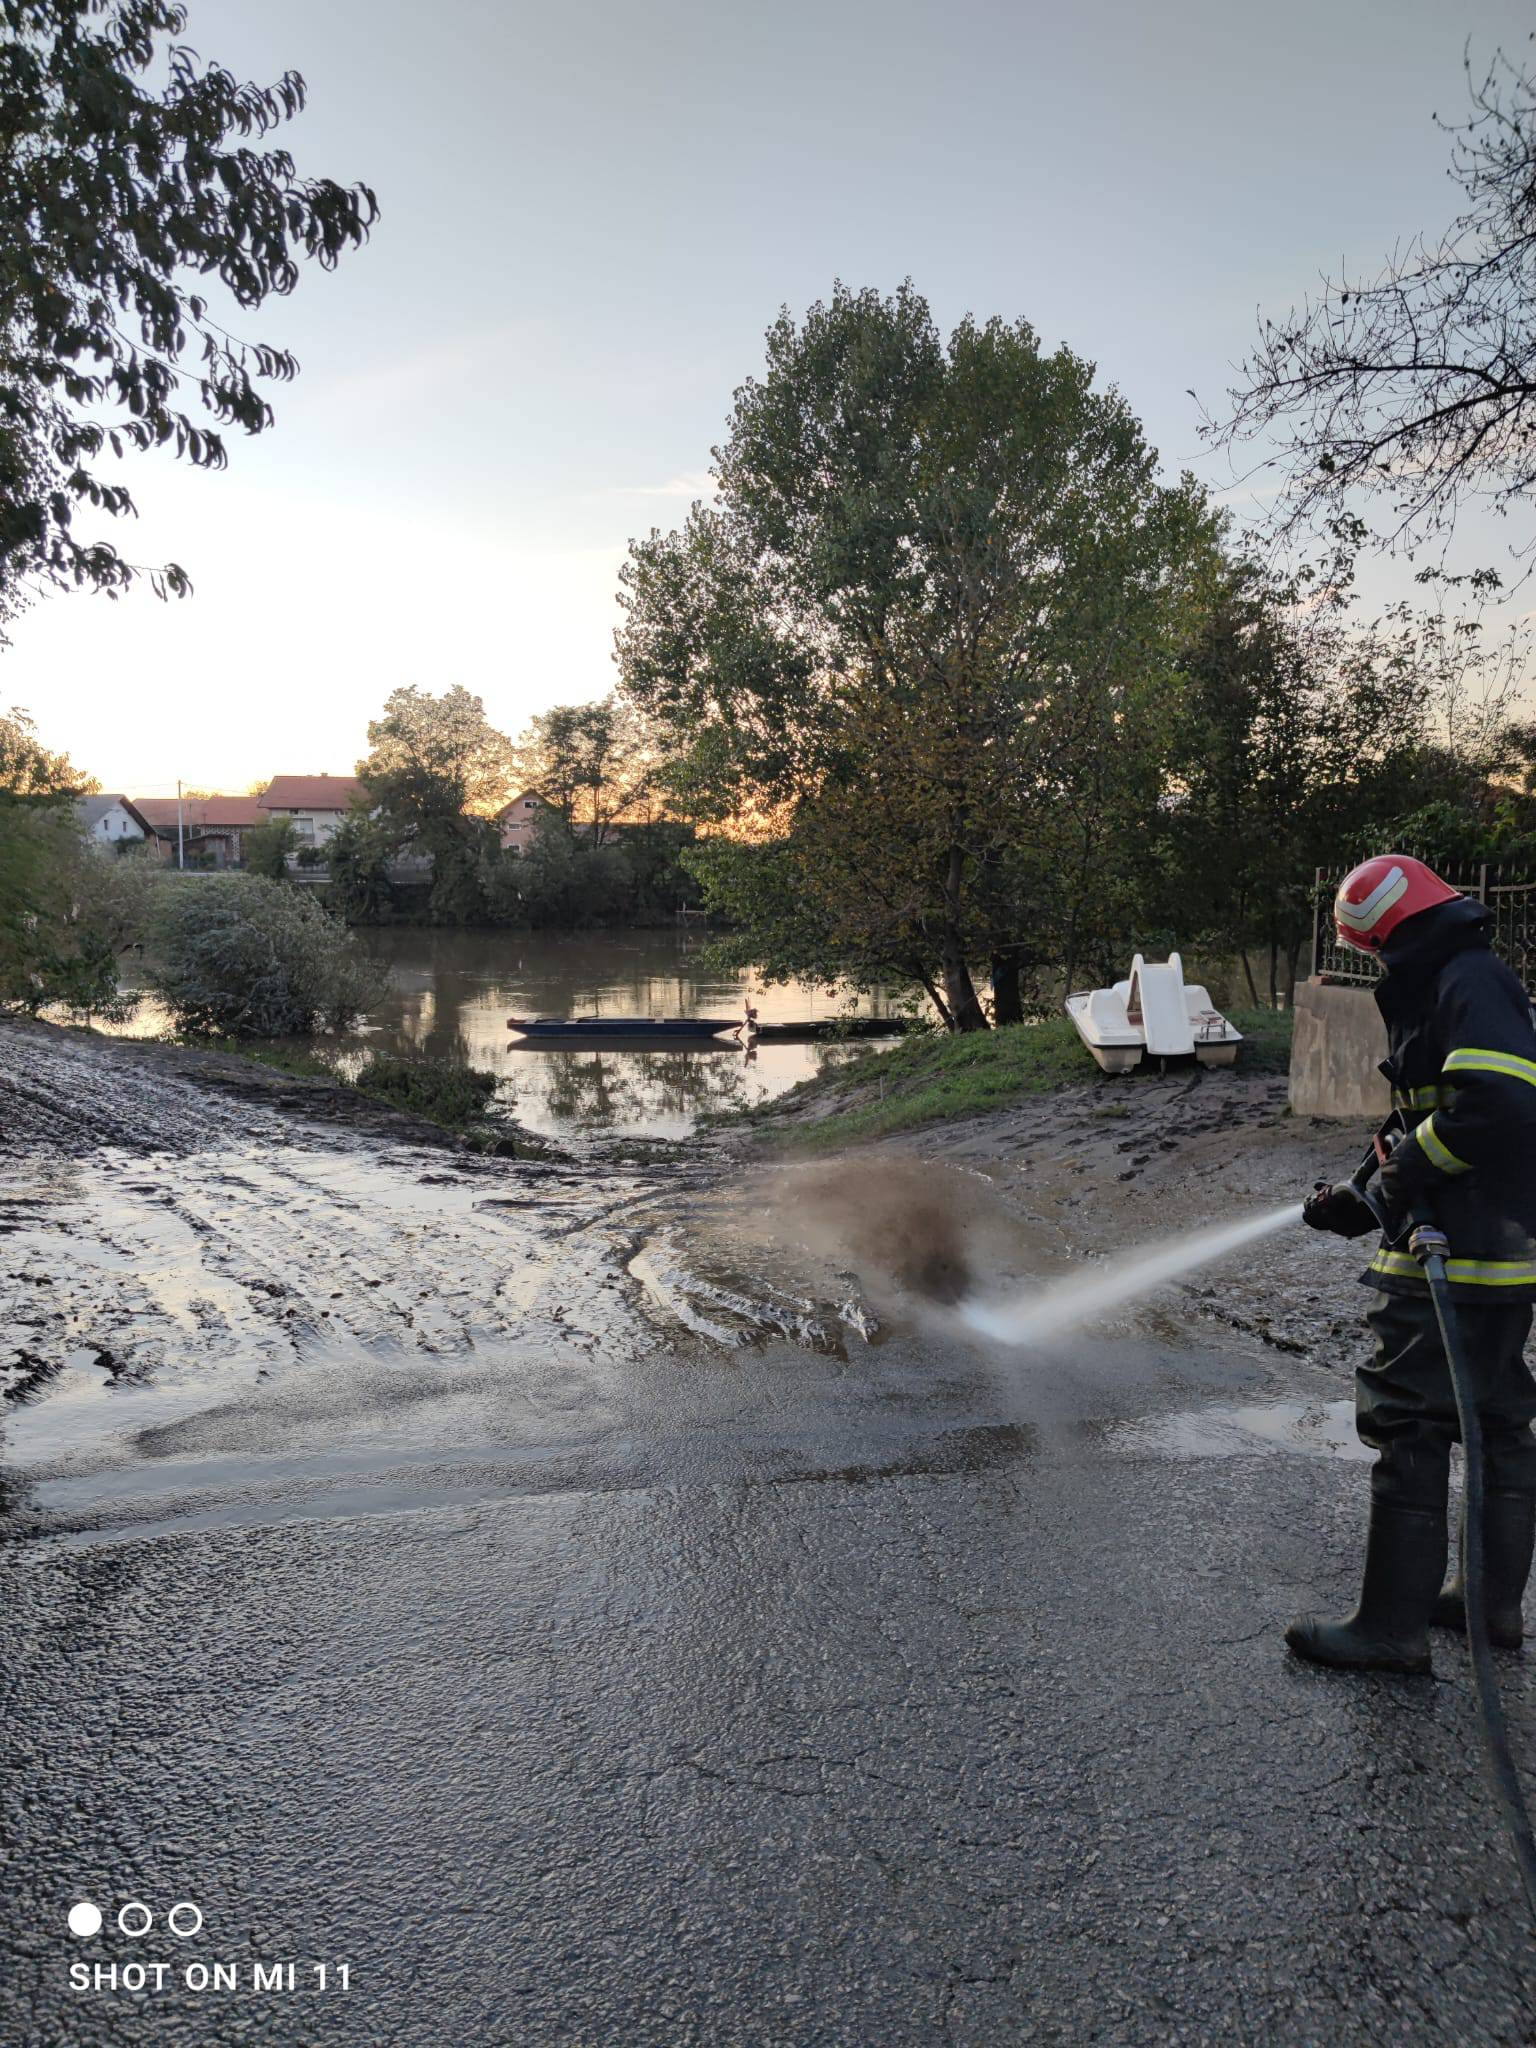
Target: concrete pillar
[(1338, 1042)]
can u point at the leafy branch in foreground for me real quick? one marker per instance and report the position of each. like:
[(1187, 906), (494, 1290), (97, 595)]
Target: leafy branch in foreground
[(111, 195)]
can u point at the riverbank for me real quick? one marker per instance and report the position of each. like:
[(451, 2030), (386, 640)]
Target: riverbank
[(938, 1077), (1094, 1164), (1083, 1165), (119, 1104)]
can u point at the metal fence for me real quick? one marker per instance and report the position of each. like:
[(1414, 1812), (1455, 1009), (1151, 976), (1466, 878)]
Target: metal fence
[(1511, 898)]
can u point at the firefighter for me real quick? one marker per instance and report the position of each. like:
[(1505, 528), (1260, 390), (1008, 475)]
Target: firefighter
[(1462, 1068)]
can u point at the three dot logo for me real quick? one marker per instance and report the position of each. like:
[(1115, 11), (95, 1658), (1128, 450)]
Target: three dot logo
[(134, 1918)]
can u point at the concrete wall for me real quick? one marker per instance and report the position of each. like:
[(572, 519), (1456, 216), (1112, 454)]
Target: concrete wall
[(1339, 1039)]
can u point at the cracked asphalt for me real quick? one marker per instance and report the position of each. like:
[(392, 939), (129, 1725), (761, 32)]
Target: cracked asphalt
[(602, 1678)]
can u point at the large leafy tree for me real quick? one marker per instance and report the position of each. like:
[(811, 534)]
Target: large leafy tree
[(596, 764), (438, 771), (436, 758), (931, 616), (133, 213)]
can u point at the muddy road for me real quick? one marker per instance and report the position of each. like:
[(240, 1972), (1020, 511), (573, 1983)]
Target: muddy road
[(611, 1604)]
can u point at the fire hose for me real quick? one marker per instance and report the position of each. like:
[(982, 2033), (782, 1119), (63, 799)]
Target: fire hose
[(1429, 1245)]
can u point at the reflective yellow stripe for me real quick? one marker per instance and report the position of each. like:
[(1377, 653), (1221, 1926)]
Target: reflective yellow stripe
[(1417, 1098), (1467, 1272), (1476, 1059), (1438, 1151)]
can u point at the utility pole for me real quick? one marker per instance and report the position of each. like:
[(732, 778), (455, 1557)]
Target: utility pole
[(181, 836)]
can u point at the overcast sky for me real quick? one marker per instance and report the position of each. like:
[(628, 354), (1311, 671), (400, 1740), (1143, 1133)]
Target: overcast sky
[(589, 215)]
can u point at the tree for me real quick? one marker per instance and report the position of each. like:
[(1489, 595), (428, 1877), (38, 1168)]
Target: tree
[(660, 884), (438, 771), (1419, 384), (435, 758), (358, 854), (64, 911), (1305, 736), (267, 847), (112, 193), (935, 607), (29, 770), (463, 860), (243, 957), (594, 763), (568, 883)]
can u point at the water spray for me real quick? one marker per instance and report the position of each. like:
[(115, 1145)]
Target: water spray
[(1077, 1298)]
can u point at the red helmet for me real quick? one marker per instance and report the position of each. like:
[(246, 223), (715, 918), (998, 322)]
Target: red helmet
[(1375, 897)]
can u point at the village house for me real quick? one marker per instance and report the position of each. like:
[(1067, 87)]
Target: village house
[(225, 821), (109, 822), (208, 831), (316, 804), (518, 821)]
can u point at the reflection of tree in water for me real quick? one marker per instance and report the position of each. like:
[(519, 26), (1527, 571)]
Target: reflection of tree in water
[(596, 1088)]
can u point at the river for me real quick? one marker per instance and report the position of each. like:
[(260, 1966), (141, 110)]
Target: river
[(450, 994)]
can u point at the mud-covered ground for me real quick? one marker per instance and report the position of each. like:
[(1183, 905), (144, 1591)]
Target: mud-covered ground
[(602, 1602), (1108, 1163)]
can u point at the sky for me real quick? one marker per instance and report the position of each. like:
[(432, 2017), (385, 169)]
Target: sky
[(590, 213)]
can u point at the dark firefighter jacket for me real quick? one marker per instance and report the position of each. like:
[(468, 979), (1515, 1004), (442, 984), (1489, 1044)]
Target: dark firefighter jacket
[(1462, 1066)]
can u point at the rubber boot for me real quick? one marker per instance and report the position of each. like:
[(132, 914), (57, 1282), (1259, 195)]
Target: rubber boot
[(1509, 1536), (1389, 1630)]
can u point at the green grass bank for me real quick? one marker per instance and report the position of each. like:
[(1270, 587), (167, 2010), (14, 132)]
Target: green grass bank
[(934, 1078)]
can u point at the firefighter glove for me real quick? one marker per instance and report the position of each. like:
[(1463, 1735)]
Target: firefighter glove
[(1339, 1209)]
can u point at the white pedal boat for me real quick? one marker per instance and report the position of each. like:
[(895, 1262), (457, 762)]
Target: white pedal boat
[(1155, 1012)]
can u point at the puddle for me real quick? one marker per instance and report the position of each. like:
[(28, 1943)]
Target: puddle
[(1320, 1429)]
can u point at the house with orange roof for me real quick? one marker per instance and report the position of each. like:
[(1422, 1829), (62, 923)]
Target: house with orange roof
[(208, 831), (316, 804)]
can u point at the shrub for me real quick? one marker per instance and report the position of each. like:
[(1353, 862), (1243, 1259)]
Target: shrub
[(266, 848), (437, 1089), (64, 913), (241, 957)]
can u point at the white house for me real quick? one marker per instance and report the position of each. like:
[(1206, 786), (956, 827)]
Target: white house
[(316, 803), (110, 821)]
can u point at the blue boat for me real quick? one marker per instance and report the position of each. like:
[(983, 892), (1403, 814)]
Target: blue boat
[(699, 1028)]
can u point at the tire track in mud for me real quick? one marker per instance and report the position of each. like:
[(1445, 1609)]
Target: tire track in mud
[(242, 1306), (186, 1276), (235, 1255)]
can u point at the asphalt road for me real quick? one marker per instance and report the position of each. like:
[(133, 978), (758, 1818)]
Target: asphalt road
[(842, 1707)]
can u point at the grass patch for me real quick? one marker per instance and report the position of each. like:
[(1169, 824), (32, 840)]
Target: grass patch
[(934, 1078), (285, 1059), (439, 1090), (442, 1092), (1266, 1047)]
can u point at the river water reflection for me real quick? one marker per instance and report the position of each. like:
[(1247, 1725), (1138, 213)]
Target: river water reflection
[(450, 994)]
